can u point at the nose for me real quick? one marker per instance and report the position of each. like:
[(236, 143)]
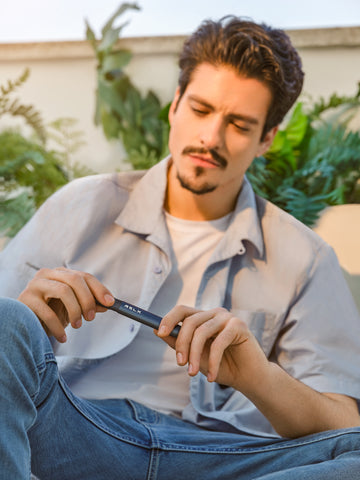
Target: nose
[(212, 133)]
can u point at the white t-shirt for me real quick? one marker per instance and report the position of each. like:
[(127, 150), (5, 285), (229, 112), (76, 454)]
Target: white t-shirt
[(160, 383)]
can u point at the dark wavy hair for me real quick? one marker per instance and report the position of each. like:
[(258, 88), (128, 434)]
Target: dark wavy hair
[(253, 50)]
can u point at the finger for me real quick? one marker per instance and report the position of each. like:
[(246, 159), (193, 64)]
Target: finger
[(53, 293), (222, 341), (171, 341), (100, 292), (83, 296), (235, 333), (186, 336), (85, 287), (173, 318), (211, 324), (47, 317)]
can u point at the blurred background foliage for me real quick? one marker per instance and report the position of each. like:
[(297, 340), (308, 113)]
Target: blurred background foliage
[(137, 119), (314, 160), (30, 171)]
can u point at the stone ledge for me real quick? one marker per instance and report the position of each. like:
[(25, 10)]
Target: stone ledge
[(63, 50)]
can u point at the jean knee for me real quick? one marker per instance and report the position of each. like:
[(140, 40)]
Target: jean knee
[(348, 441), (17, 322)]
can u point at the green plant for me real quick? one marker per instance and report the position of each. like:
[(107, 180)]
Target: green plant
[(314, 160), (124, 113), (29, 170), (13, 107)]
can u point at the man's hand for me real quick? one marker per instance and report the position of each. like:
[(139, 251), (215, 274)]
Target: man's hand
[(216, 343), (61, 296), (222, 347)]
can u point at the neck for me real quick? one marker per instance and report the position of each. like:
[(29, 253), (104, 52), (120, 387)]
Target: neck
[(185, 204)]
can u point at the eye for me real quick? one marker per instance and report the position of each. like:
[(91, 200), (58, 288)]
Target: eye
[(240, 127), (199, 111)]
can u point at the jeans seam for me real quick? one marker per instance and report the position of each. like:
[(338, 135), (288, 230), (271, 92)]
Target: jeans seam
[(153, 464), (48, 358), (41, 368), (251, 450), (100, 425)]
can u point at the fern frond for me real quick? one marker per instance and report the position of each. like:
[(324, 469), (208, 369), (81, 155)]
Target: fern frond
[(14, 84), (30, 115)]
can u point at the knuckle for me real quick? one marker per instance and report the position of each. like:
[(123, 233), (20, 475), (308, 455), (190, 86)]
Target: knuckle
[(86, 276), (179, 308), (238, 322), (63, 289), (220, 311), (205, 327), (42, 273), (73, 275)]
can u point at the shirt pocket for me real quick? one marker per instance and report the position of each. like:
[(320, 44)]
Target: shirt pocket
[(265, 326)]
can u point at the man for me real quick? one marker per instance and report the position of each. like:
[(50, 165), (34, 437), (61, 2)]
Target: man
[(269, 342)]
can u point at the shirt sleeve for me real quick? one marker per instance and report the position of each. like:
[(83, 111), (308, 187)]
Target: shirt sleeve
[(60, 222), (320, 341), (38, 244)]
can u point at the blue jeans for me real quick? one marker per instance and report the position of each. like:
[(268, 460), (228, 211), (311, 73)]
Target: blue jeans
[(49, 431)]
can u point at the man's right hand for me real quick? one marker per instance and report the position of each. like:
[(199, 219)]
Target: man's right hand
[(61, 296)]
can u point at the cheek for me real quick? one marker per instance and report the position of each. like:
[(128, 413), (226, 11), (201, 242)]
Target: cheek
[(180, 133), (243, 147)]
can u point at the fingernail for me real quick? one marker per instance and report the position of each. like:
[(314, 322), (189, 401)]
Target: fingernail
[(91, 315), (109, 299), (77, 324), (180, 358), (190, 369), (162, 330), (63, 339)]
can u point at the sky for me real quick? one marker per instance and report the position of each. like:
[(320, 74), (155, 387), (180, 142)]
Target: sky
[(52, 20)]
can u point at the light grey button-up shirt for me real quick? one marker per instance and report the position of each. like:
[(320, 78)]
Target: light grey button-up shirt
[(268, 269)]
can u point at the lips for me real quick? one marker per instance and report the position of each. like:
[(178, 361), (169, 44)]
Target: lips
[(205, 158), (204, 161)]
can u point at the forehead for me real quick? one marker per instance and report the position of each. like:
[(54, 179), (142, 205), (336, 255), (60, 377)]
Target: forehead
[(226, 90)]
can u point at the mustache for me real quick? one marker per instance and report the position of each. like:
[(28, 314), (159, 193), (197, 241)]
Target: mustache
[(214, 154)]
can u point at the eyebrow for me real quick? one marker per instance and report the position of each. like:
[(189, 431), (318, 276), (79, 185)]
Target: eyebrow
[(234, 116)]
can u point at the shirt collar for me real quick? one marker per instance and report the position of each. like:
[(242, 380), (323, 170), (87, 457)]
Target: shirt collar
[(143, 213), (144, 208), (244, 224)]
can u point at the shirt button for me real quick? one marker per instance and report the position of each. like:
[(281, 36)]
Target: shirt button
[(157, 270)]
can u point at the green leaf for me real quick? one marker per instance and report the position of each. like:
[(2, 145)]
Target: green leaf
[(90, 35), (164, 113), (297, 126), (123, 7), (116, 61), (110, 124), (15, 212), (281, 152), (109, 39)]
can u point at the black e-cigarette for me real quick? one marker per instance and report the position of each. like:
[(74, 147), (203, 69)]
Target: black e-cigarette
[(140, 315)]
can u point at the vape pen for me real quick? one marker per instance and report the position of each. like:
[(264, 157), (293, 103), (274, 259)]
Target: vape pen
[(140, 315)]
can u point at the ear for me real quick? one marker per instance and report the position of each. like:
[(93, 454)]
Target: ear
[(265, 144), (174, 104)]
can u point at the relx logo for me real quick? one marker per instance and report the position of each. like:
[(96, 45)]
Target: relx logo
[(132, 308)]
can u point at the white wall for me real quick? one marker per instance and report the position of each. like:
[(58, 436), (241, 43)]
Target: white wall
[(63, 77)]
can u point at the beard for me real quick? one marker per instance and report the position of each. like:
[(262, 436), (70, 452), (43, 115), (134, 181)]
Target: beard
[(189, 184), (193, 185)]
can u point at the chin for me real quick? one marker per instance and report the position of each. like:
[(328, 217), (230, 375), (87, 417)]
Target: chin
[(197, 188)]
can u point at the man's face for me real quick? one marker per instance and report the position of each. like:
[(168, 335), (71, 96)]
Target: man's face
[(216, 129)]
